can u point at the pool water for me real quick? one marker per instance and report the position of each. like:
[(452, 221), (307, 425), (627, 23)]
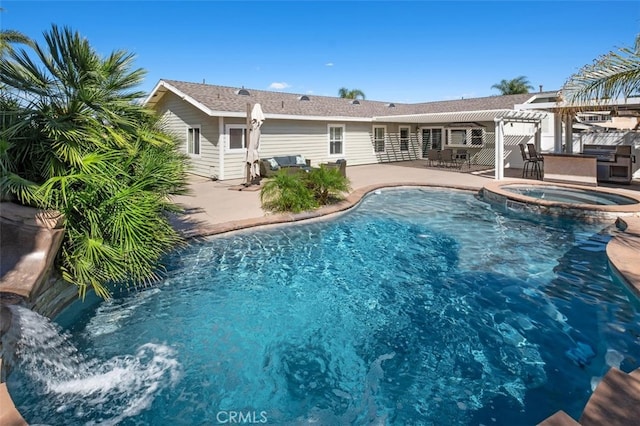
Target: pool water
[(570, 195), (417, 307)]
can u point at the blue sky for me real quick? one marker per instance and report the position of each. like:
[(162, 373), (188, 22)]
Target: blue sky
[(413, 51)]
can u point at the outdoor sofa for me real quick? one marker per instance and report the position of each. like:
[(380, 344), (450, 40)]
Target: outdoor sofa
[(292, 163)]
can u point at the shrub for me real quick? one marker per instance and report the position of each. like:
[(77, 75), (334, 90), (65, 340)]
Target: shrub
[(287, 192), (326, 184), (74, 138), (296, 192)]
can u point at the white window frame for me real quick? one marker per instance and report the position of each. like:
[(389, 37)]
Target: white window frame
[(330, 141), (377, 140), (198, 152), (407, 139), (468, 141), (227, 136)]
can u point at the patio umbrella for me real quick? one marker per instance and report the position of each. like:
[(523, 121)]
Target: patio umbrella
[(253, 158)]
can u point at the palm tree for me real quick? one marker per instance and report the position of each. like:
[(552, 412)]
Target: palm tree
[(345, 93), (611, 76), (9, 37), (515, 86), (74, 139)]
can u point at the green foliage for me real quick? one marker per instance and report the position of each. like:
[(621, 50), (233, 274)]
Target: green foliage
[(326, 184), (611, 76), (287, 192), (345, 93), (296, 192), (516, 86), (74, 138)]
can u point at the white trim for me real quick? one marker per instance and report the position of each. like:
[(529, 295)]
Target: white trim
[(384, 139), (227, 138), (344, 136), (221, 146), (551, 106), (186, 141), (499, 149), (163, 86), (468, 137), (444, 117)]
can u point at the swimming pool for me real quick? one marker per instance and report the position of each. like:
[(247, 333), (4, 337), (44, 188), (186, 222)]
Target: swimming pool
[(417, 307)]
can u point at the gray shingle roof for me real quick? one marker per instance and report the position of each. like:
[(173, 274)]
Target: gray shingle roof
[(223, 98)]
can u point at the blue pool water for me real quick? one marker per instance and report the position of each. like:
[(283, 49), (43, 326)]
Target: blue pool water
[(418, 307)]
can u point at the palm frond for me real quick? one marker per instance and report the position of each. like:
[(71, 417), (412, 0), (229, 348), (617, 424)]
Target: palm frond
[(612, 76)]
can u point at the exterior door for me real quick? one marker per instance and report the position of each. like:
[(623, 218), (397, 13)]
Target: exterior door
[(431, 139)]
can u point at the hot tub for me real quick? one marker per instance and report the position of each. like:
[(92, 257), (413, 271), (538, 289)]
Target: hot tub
[(593, 204)]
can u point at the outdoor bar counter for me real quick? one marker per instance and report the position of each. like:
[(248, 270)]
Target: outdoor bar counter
[(571, 168)]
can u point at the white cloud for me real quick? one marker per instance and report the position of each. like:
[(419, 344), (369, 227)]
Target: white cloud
[(278, 86), (328, 64)]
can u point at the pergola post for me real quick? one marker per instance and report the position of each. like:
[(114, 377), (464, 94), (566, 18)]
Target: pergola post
[(537, 137), (557, 133), (499, 162), (568, 134), (247, 135)]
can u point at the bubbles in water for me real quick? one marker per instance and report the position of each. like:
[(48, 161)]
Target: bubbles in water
[(110, 390), (613, 358)]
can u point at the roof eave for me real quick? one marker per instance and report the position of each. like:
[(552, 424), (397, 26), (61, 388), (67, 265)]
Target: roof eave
[(443, 117), (168, 87)]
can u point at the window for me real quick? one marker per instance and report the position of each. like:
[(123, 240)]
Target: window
[(378, 138), (457, 137), (336, 139), (236, 137), (193, 141), (476, 137), (431, 139), (466, 137), (405, 133)]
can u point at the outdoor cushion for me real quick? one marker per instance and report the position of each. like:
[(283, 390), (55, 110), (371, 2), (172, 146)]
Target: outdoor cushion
[(300, 160), (284, 160), (287, 160), (273, 164)]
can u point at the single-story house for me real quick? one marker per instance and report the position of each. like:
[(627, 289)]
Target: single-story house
[(211, 121)]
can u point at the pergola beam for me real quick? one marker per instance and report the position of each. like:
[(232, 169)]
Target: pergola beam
[(511, 116)]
